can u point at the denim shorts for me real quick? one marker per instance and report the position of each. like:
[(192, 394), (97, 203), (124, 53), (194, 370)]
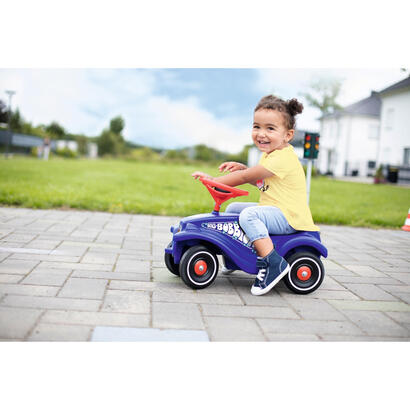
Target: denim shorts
[(258, 221)]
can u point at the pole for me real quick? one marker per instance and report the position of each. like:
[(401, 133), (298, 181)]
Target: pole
[(308, 178), (9, 136)]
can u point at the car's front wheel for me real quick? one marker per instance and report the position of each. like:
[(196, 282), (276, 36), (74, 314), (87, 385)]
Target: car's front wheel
[(198, 267)]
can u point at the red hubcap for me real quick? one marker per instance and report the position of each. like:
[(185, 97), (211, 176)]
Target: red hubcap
[(304, 273), (200, 267)]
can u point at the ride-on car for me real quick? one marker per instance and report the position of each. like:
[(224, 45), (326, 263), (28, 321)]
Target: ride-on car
[(197, 241)]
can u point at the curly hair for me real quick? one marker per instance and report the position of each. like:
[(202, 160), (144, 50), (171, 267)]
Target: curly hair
[(288, 108)]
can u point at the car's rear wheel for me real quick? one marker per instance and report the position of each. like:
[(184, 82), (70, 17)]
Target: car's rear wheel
[(306, 273)]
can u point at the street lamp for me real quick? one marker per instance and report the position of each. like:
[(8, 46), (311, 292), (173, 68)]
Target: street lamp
[(10, 94)]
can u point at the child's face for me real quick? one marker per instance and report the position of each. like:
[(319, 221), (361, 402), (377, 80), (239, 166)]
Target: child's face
[(269, 132)]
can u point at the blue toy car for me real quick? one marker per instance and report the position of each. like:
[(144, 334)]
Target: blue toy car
[(198, 239)]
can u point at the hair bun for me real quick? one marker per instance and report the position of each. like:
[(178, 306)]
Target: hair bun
[(294, 106)]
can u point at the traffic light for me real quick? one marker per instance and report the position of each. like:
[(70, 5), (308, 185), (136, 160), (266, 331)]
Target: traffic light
[(311, 145)]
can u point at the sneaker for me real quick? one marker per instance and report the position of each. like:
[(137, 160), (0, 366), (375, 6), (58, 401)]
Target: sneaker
[(226, 271), (272, 268)]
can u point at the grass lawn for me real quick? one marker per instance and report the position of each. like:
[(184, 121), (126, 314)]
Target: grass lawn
[(168, 189)]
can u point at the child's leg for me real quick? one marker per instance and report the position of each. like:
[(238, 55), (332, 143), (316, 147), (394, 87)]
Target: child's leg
[(235, 208), (238, 207), (258, 222)]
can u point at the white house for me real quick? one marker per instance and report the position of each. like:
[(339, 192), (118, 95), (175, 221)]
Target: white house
[(349, 139), (71, 145), (394, 147)]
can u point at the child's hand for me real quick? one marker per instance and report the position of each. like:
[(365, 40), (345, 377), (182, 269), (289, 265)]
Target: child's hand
[(199, 174), (231, 166)]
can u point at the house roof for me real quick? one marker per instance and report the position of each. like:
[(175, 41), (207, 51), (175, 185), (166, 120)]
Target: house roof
[(368, 106), (397, 86)]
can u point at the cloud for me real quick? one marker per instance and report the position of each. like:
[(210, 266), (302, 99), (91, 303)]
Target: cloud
[(84, 101), (356, 85)]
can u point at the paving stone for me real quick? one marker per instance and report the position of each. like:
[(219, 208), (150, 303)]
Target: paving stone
[(45, 257), (111, 275), (42, 244), (249, 311), (149, 286), (340, 272), (65, 333), (243, 287), (31, 290), (376, 323), (23, 238), (195, 297), (50, 277), (76, 266), (45, 302), (382, 306), (401, 276), (291, 337), (126, 302), (84, 288), (315, 309), (224, 329), (176, 316), (364, 338), (4, 278), (308, 326), (4, 255), (164, 275), (323, 294), (369, 292), (400, 317), (16, 323), (118, 334), (357, 257), (398, 288), (135, 266), (99, 258), (404, 296), (330, 283), (366, 279), (364, 270), (221, 285), (96, 318), (20, 267)]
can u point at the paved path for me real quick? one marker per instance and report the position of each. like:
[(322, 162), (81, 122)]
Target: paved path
[(77, 275)]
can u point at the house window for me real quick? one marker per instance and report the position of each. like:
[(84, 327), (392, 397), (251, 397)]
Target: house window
[(371, 164), (373, 132), (406, 159), (389, 118)]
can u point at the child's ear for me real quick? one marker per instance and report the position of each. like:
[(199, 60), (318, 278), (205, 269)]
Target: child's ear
[(289, 135)]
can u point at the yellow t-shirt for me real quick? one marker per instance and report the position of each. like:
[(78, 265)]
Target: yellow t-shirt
[(286, 189)]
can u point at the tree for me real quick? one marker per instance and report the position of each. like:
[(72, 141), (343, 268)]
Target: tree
[(56, 130), (117, 124), (16, 121), (108, 143), (324, 93), (3, 112)]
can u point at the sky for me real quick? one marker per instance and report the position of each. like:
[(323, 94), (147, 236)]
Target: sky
[(175, 108)]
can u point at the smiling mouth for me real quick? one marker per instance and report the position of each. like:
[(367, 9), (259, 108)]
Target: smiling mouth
[(263, 142)]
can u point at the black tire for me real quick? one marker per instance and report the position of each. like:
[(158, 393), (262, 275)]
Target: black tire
[(311, 273), (195, 259), (169, 262)]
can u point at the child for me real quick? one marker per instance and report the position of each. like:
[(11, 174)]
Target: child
[(282, 207)]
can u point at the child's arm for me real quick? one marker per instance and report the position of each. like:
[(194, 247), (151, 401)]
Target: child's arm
[(248, 175), (231, 166)]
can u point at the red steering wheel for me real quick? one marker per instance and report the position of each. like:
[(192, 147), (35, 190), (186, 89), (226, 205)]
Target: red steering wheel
[(221, 192)]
